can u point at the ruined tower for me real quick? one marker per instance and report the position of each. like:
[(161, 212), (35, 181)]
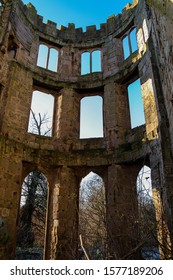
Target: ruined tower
[(64, 158)]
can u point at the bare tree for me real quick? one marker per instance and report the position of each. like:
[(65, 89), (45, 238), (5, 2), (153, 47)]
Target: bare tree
[(40, 124), (33, 210), (92, 217)]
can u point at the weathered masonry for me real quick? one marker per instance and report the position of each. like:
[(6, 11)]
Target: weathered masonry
[(64, 158)]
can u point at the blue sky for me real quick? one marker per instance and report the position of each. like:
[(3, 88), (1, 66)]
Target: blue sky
[(82, 13)]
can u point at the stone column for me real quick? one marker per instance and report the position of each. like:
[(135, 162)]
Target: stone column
[(116, 113), (160, 199), (62, 218), (67, 116), (10, 191), (122, 212)]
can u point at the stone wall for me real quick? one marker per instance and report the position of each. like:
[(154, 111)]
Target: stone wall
[(64, 158)]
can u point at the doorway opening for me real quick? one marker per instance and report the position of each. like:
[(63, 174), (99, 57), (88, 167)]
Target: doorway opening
[(92, 218), (147, 215), (32, 217)]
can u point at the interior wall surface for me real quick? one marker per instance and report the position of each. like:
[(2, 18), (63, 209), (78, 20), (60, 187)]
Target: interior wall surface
[(64, 157)]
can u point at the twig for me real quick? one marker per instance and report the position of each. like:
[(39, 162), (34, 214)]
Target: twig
[(82, 246)]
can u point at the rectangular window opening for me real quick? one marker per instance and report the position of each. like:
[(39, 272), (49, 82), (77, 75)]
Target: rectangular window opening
[(41, 114), (1, 88), (85, 63), (133, 40), (136, 107), (126, 47), (91, 117), (96, 61)]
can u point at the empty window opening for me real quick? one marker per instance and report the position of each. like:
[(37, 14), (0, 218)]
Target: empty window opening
[(147, 217), (2, 4), (53, 60), (91, 117), (1, 87), (130, 43), (126, 47), (92, 217), (41, 114), (85, 63), (133, 40), (90, 62), (96, 61), (42, 56), (136, 104), (47, 58), (32, 217)]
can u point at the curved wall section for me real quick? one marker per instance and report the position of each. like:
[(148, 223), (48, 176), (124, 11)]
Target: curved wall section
[(38, 57)]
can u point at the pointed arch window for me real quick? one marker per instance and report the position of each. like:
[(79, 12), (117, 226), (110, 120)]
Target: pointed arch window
[(147, 216), (92, 217), (32, 216)]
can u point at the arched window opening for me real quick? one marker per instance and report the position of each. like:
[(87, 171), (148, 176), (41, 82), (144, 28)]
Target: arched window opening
[(53, 60), (130, 43), (48, 58), (1, 87), (32, 217), (91, 117), (133, 40), (42, 56), (96, 61), (1, 10), (146, 212), (145, 31), (85, 63), (41, 114), (126, 48), (92, 217), (136, 104), (90, 62)]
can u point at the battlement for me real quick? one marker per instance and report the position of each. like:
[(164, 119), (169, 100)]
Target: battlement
[(50, 27)]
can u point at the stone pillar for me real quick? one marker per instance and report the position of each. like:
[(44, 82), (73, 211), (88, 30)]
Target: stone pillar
[(112, 54), (18, 97), (122, 212), (151, 116), (116, 113), (67, 117), (62, 218), (10, 190), (161, 208)]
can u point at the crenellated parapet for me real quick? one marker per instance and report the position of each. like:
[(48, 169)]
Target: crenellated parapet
[(113, 23)]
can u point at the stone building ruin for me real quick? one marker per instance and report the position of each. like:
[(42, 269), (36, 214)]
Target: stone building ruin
[(64, 158)]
